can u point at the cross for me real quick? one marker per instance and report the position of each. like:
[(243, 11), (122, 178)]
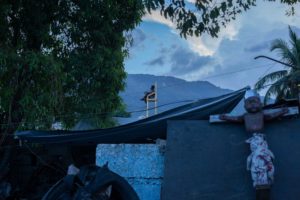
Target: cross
[(260, 161)]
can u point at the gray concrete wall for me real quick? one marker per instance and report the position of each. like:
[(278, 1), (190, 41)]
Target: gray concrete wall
[(208, 161)]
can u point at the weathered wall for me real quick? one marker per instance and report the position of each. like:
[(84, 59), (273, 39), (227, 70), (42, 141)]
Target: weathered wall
[(208, 161), (140, 164)]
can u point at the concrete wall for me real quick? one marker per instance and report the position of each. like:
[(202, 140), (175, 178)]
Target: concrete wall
[(141, 165), (208, 161)]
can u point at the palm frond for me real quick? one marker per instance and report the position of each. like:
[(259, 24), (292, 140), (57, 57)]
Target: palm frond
[(295, 76), (270, 78), (284, 91), (285, 80), (278, 89), (296, 51), (284, 51), (295, 41), (293, 37)]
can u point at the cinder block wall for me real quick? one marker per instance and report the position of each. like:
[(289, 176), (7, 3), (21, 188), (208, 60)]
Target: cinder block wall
[(140, 164)]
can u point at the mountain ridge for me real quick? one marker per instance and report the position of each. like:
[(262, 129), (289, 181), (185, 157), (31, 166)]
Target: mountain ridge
[(169, 89)]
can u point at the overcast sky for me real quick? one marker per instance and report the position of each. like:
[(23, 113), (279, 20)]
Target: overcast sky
[(159, 50)]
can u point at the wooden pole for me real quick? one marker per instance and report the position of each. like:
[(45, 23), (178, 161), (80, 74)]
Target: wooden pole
[(298, 90), (155, 98), (147, 107)]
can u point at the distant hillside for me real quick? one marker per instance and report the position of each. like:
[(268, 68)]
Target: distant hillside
[(170, 90)]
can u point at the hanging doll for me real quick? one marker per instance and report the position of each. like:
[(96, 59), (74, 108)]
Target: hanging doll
[(259, 162)]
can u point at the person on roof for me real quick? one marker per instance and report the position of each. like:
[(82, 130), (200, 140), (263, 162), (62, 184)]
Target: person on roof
[(149, 95)]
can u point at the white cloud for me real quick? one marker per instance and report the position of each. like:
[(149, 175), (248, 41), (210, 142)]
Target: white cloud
[(155, 16), (191, 1), (197, 45), (258, 26), (204, 71), (208, 46), (204, 45), (261, 17)]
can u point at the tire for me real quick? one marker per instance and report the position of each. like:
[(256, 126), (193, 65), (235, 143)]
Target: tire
[(58, 191), (92, 180)]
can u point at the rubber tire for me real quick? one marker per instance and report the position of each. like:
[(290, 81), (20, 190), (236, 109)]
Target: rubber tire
[(58, 191), (100, 177)]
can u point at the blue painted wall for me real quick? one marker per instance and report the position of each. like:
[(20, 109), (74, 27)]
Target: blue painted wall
[(141, 164)]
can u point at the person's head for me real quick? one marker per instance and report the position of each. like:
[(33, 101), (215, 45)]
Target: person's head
[(152, 87)]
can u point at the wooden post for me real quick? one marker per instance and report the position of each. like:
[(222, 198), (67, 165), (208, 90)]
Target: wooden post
[(298, 90), (147, 107), (155, 101), (263, 194)]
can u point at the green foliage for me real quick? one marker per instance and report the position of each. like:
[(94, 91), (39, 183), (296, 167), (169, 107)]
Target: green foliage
[(284, 82), (62, 60), (209, 16)]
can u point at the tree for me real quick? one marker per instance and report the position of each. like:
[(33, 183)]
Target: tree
[(62, 60), (209, 16), (283, 81)]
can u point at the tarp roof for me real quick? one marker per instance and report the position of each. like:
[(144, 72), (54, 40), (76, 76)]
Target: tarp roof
[(142, 131)]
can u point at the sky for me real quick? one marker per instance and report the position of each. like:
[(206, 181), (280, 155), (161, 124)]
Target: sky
[(226, 61)]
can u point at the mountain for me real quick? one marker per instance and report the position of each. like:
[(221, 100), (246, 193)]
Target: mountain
[(171, 92)]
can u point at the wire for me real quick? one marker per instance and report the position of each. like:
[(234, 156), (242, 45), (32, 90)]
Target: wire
[(43, 161), (99, 114), (266, 71), (233, 72), (135, 111), (213, 76), (172, 85)]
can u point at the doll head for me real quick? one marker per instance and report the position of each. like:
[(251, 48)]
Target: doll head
[(252, 102)]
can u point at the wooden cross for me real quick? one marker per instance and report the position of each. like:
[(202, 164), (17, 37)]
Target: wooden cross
[(261, 158), (292, 111)]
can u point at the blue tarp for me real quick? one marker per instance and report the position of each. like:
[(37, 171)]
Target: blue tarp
[(142, 131)]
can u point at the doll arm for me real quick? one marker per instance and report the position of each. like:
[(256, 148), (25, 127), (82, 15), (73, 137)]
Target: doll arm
[(237, 119), (274, 115)]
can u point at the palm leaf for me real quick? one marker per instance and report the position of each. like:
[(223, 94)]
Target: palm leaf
[(284, 51), (293, 37), (295, 41), (295, 76), (285, 80), (270, 78), (284, 91), (296, 52), (279, 89)]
